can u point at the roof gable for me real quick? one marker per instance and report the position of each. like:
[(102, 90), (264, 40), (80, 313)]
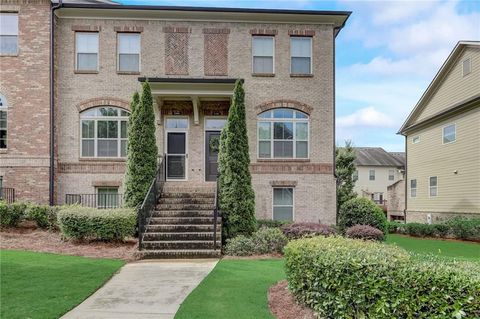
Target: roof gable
[(377, 156)]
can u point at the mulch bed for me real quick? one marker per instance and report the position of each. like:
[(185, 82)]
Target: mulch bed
[(283, 305), (51, 242)]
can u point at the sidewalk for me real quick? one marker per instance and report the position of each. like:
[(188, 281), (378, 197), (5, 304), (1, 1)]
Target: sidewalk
[(146, 289)]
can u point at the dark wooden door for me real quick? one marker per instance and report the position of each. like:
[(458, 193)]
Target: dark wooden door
[(212, 144)]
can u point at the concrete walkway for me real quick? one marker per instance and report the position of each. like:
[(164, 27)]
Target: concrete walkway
[(146, 289)]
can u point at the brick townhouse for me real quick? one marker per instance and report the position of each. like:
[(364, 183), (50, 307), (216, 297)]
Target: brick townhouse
[(192, 58)]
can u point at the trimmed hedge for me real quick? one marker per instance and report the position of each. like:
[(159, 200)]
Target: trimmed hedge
[(270, 223), (365, 232), (45, 216), (347, 278), (361, 211), (460, 228), (300, 230), (103, 224), (263, 241), (12, 214)]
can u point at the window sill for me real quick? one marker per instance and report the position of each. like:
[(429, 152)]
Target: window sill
[(128, 73), (283, 160), (263, 75), (301, 75), (85, 72), (102, 159), (4, 151), (9, 54)]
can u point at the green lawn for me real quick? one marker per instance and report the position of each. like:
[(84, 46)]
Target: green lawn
[(444, 248), (39, 285), (234, 289)]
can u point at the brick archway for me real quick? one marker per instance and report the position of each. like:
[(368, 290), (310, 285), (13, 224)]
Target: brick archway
[(292, 104), (101, 101)]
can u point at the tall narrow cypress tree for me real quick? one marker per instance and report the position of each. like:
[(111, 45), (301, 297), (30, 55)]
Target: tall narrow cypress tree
[(237, 199), (344, 169), (142, 148)]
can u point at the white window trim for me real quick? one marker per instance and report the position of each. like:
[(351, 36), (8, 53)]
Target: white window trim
[(463, 69), (17, 35), (273, 53), (165, 143), (76, 52), (294, 140), (293, 201), (417, 137), (311, 55), (391, 170), (429, 187), (119, 119), (443, 133), (205, 130), (139, 53), (415, 188), (374, 175)]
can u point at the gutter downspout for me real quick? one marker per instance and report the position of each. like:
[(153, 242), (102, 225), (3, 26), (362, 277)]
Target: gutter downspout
[(406, 181), (336, 30), (52, 103)]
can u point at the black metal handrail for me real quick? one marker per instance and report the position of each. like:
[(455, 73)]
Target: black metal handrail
[(7, 194), (102, 201), (216, 211), (150, 202)]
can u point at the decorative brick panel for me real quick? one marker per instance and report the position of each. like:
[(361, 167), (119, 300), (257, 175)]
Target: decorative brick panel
[(86, 28), (216, 31), (215, 50), (126, 28), (302, 33), (176, 53), (177, 30), (92, 168), (102, 101), (284, 103), (212, 108), (177, 108), (259, 31), (291, 168)]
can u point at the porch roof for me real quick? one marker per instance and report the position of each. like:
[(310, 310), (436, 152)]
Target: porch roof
[(192, 87)]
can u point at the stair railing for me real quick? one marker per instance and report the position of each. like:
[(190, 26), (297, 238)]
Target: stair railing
[(216, 211), (150, 201)]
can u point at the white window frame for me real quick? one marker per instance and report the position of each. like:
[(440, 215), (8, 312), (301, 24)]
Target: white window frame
[(97, 118), (4, 108), (12, 35), (414, 188), (165, 139), (293, 200), (294, 140), (430, 186), (416, 139), (469, 61), (97, 194), (370, 175), (273, 53), (119, 34), (443, 133), (392, 175), (311, 55), (77, 52)]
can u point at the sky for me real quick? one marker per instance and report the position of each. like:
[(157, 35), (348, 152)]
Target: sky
[(386, 56)]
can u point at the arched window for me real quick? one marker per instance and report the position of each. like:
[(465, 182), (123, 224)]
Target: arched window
[(104, 132), (283, 133), (3, 122)]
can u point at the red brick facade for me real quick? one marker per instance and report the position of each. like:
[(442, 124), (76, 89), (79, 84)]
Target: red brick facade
[(25, 83)]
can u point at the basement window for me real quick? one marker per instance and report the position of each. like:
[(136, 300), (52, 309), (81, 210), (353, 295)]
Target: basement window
[(283, 203)]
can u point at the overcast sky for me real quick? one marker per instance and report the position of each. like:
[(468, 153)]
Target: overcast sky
[(387, 54)]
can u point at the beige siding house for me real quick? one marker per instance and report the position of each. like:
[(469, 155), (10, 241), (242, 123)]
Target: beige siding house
[(443, 141)]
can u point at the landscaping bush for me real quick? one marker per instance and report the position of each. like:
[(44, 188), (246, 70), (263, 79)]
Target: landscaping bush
[(419, 230), (299, 230), (345, 278), (365, 232), (441, 230), (395, 227), (269, 223), (263, 241), (90, 223), (11, 214), (361, 211), (464, 228), (45, 216)]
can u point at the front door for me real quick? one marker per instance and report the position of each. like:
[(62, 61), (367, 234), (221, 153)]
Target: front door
[(212, 144), (176, 155)]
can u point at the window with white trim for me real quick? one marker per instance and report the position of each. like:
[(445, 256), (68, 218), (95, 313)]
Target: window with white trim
[(413, 188), (107, 197), (416, 139), (355, 176), (86, 55), (263, 48), (104, 132), (3, 122), (466, 67), (449, 134), (371, 175), (8, 33), (433, 186), (301, 55), (283, 203), (283, 133), (391, 174), (128, 52)]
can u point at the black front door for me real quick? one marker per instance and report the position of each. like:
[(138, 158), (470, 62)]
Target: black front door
[(212, 144)]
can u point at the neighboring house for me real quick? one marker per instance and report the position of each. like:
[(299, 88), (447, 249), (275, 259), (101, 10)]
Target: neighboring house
[(192, 58), (442, 137), (376, 170)]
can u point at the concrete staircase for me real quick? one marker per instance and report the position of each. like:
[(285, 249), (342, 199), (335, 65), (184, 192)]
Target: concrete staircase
[(182, 225)]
